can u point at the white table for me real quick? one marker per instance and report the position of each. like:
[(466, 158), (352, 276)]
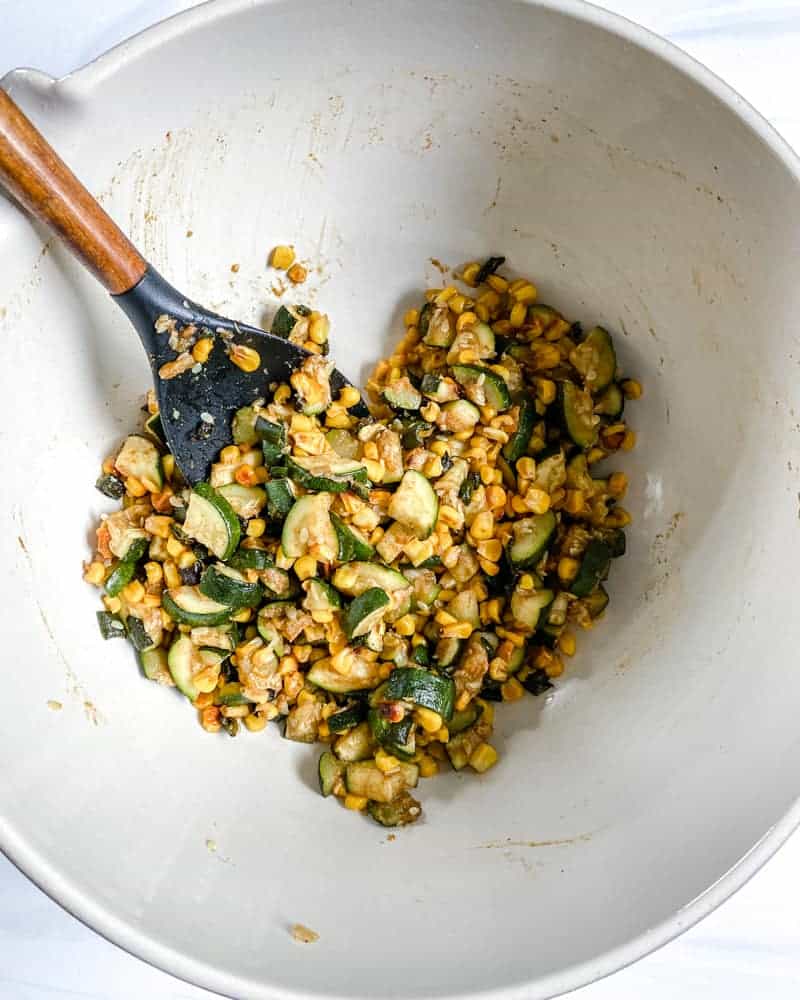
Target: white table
[(749, 948)]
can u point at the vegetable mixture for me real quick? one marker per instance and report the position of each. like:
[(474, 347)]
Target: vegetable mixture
[(379, 584)]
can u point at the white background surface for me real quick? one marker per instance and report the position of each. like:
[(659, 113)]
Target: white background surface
[(749, 948)]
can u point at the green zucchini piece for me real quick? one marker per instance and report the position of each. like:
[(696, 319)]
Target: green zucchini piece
[(424, 319), (441, 327), (123, 572), (366, 779), (278, 584), (340, 722), (401, 395), (537, 682), (363, 676), (399, 812), (321, 596), (155, 666), (327, 473), (517, 659), (366, 611), (279, 498), (483, 386), (270, 433), (464, 718), (246, 501), (155, 428), (423, 688), (594, 566), (425, 587), (356, 577), (188, 606), (357, 744), (243, 425), (218, 639), (517, 444), (527, 606), (459, 415), (182, 660), (595, 360), (111, 626), (577, 414), (468, 487), (596, 602), (230, 695), (397, 738), (257, 559), (352, 544), (611, 402), (309, 523), (140, 458), (211, 520), (415, 504), (464, 607), (531, 537), (330, 769), (415, 434), (111, 487), (447, 652), (228, 586), (285, 319), (138, 634), (437, 388), (343, 443), (509, 476), (421, 656)]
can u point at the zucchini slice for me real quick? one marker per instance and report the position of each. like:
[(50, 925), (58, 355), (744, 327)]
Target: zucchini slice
[(182, 661), (465, 718), (243, 559), (123, 572), (349, 717), (356, 577), (398, 738), (188, 606), (243, 425), (458, 415), (230, 587), (423, 688), (362, 677), (111, 626), (577, 414), (531, 537), (366, 779), (464, 607), (611, 403), (279, 498), (595, 359), (440, 327), (321, 596), (517, 444), (596, 602), (357, 744), (352, 544), (401, 395), (330, 769), (327, 473), (415, 504), (285, 319), (527, 606), (155, 666), (365, 612), (211, 520), (343, 443), (483, 386), (399, 812), (140, 458), (447, 652), (245, 501), (309, 523), (596, 560)]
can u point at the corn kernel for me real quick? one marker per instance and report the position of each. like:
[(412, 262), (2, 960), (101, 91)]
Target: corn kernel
[(112, 604), (496, 497), (445, 295), (567, 569), (255, 723), (490, 549), (256, 527), (349, 396), (538, 501), (483, 757), (134, 487), (457, 304), (547, 356), (632, 389), (517, 315), (282, 257), (567, 644), (465, 320), (355, 802), (202, 350), (305, 567), (243, 615), (524, 292), (483, 526), (209, 719), (174, 547), (244, 357), (385, 762), (629, 441), (230, 455), (430, 721), (545, 390), (427, 766), (555, 668), (168, 465), (526, 582), (433, 467), (512, 690), (498, 283), (482, 312), (489, 568), (282, 394), (574, 501), (172, 577), (186, 559), (95, 573), (469, 273), (375, 470), (406, 626), (133, 592), (444, 618), (411, 317)]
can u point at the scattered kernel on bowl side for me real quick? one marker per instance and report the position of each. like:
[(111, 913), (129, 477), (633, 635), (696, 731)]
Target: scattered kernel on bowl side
[(379, 584)]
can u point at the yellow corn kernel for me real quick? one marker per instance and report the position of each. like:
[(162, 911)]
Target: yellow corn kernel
[(458, 303), (283, 561), (406, 626), (305, 567), (490, 549), (517, 315), (371, 450), (282, 394), (133, 592), (152, 600), (202, 350), (487, 474), (567, 644), (574, 501), (498, 283), (617, 484), (154, 574), (489, 568), (375, 470), (255, 723), (482, 312), (209, 719), (418, 551), (547, 356), (282, 257), (95, 573), (537, 501), (595, 455), (430, 721), (172, 577), (134, 487), (513, 637), (567, 569), (628, 442), (256, 527), (445, 295), (465, 320), (349, 396), (469, 273), (512, 690), (545, 390), (526, 468), (112, 604), (269, 712), (524, 292), (174, 547), (186, 559), (496, 497), (244, 357), (632, 388), (526, 582), (490, 299), (204, 699), (555, 668), (491, 611), (243, 615), (355, 802), (444, 618), (433, 467), (443, 735), (483, 757), (411, 318), (618, 518), (168, 465), (386, 762), (230, 455), (427, 766), (461, 630), (483, 526)]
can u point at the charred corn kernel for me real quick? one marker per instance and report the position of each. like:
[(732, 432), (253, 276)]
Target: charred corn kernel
[(438, 448), (202, 350), (617, 484), (498, 670), (154, 574), (555, 668), (458, 303), (209, 719), (406, 626), (168, 465), (629, 441), (632, 388), (305, 567), (557, 498), (517, 315), (230, 455), (133, 592), (498, 283), (427, 766), (470, 273), (95, 573), (490, 299), (349, 396), (186, 559), (526, 582), (466, 319), (467, 357), (547, 356), (483, 757), (488, 567), (491, 611), (134, 487), (433, 467), (595, 455), (482, 312), (243, 615), (444, 618), (567, 644), (524, 292), (172, 577), (244, 357), (450, 516), (282, 394), (204, 700), (297, 274), (568, 569), (174, 547), (483, 526), (490, 549), (513, 637), (355, 802), (256, 527), (512, 690), (545, 390), (319, 328), (445, 295), (537, 501), (255, 723), (386, 762), (375, 470), (112, 604), (496, 497), (430, 721), (574, 501), (282, 257)]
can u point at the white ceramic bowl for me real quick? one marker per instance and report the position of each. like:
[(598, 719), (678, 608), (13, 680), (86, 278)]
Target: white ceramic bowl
[(641, 193)]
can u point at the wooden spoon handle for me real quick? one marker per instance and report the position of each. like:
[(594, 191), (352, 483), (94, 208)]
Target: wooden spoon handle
[(34, 174)]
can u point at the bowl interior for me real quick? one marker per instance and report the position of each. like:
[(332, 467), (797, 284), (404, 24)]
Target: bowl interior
[(379, 138)]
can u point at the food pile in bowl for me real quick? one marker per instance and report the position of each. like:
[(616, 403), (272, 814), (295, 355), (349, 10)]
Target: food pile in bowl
[(377, 584)]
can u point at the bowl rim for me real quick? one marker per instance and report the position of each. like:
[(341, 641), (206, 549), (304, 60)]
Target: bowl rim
[(102, 920)]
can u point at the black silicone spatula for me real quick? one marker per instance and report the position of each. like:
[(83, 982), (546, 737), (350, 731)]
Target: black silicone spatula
[(198, 404)]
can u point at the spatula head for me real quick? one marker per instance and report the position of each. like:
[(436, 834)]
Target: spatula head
[(198, 405)]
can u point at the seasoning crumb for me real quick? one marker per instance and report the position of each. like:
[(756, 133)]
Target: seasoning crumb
[(297, 274), (189, 232), (391, 837), (54, 706), (212, 846), (302, 933), (235, 268)]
